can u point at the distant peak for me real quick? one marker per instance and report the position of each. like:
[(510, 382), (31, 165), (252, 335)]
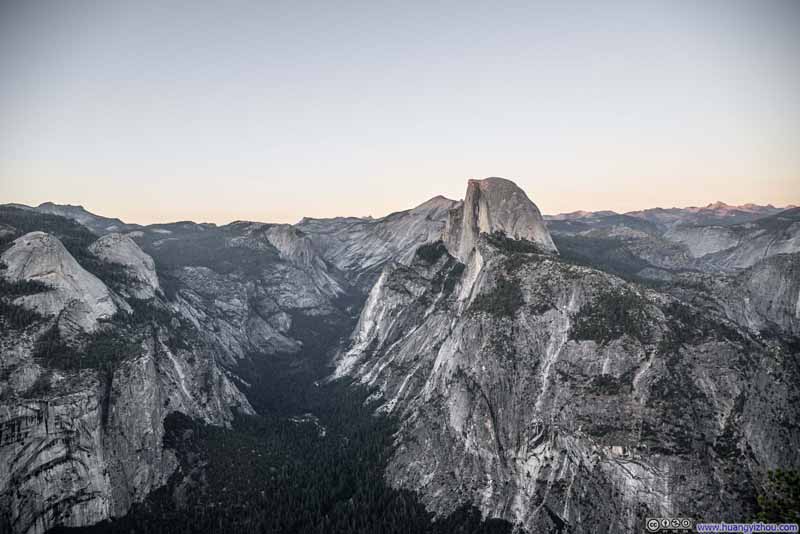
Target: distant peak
[(437, 202), (718, 205), (492, 182), (63, 206), (491, 205), (580, 214)]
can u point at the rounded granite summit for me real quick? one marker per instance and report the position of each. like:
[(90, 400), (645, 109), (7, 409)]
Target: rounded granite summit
[(80, 295), (491, 205), (122, 250)]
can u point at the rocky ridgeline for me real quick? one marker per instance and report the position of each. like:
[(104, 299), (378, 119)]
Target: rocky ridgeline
[(362, 247), (75, 296), (558, 396), (494, 205), (140, 268), (86, 383), (100, 342), (529, 379), (659, 244)]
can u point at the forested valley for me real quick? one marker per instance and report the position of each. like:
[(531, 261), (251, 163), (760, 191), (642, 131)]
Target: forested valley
[(311, 461)]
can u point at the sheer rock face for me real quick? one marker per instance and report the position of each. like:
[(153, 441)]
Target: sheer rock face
[(553, 395), (361, 247), (91, 446), (76, 294), (542, 392), (298, 248), (239, 317), (301, 257), (766, 297), (294, 245), (122, 250), (78, 444), (495, 205), (251, 311)]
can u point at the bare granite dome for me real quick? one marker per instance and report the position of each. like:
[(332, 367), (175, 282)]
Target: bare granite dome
[(491, 205), (41, 257), (122, 250)]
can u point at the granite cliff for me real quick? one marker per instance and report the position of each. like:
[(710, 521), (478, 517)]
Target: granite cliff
[(630, 365), (563, 398)]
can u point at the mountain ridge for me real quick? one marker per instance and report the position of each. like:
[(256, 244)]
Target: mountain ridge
[(531, 387), (519, 359)]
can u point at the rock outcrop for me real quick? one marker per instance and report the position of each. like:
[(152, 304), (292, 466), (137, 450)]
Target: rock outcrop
[(84, 447), (739, 246), (361, 247), (239, 317), (562, 398), (243, 285), (495, 205), (96, 223), (702, 240), (140, 268), (293, 245), (88, 380), (78, 297), (716, 214), (526, 382), (662, 244), (297, 249), (766, 297)]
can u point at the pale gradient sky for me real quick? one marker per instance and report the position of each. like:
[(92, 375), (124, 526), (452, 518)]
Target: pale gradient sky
[(264, 110)]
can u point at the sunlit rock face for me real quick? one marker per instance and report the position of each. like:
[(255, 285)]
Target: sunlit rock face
[(122, 250), (77, 296), (557, 396), (361, 247), (495, 205), (561, 397), (293, 245)]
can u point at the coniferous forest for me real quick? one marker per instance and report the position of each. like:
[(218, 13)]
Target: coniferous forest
[(312, 461)]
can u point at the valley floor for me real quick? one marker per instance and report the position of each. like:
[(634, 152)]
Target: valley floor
[(312, 460)]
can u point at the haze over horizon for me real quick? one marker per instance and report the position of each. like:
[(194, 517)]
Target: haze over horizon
[(274, 111), (374, 215)]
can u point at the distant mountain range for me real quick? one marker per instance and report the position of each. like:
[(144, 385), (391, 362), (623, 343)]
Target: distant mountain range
[(572, 373), (714, 213)]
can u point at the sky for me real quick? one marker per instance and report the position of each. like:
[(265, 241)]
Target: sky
[(164, 110)]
